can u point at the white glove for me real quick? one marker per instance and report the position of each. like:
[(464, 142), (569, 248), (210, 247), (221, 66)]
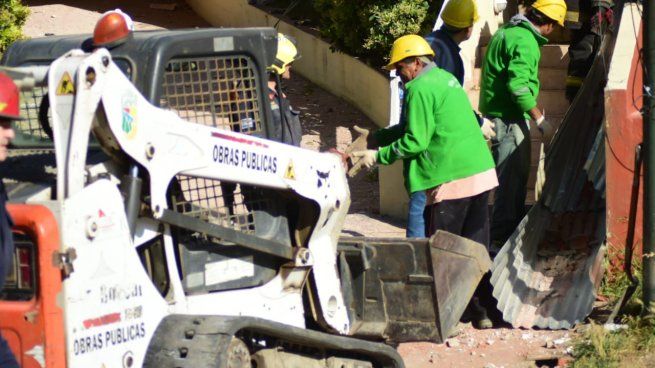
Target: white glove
[(541, 173), (547, 130), (488, 129), (367, 158)]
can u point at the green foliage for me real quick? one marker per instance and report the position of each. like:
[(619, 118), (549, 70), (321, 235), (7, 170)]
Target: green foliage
[(630, 347), (13, 15), (615, 283), (367, 28)]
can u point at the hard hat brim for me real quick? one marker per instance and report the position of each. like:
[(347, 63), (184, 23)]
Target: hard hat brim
[(11, 117), (113, 44), (389, 67)]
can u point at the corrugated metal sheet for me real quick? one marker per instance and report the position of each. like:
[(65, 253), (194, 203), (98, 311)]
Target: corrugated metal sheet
[(595, 165), (547, 273)]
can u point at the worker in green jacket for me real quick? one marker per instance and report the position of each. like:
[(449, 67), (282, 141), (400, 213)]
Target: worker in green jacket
[(508, 96), (443, 150)]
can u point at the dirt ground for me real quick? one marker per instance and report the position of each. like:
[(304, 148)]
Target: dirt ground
[(326, 122)]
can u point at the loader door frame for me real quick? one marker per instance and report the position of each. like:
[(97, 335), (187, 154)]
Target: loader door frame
[(34, 328)]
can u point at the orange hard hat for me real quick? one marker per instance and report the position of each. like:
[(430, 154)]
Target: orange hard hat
[(113, 28), (9, 98)]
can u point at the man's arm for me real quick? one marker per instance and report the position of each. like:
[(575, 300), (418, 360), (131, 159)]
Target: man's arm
[(522, 65), (418, 133), (385, 136), (535, 113)]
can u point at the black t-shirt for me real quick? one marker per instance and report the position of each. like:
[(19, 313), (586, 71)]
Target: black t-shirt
[(7, 237), (287, 130)]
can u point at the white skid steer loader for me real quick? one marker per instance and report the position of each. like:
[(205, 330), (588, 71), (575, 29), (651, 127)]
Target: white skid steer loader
[(181, 244)]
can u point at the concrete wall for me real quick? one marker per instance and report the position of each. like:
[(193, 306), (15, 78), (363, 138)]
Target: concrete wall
[(345, 76), (335, 72)]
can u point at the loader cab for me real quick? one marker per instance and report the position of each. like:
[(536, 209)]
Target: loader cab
[(208, 76), (214, 77)]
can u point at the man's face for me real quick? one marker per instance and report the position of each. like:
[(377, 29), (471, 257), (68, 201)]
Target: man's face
[(287, 72), (469, 32), (408, 70), (546, 29), (6, 135)]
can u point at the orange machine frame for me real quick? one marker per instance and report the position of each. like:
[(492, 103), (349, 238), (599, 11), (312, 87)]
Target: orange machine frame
[(34, 329)]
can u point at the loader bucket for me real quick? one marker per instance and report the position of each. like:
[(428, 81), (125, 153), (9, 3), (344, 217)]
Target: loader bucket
[(401, 290)]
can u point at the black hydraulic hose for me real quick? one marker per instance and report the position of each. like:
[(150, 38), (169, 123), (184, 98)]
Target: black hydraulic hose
[(632, 219), (131, 189), (649, 160), (630, 239), (283, 115)]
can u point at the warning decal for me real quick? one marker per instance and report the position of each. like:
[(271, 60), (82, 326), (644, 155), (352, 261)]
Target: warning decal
[(290, 173), (65, 85)]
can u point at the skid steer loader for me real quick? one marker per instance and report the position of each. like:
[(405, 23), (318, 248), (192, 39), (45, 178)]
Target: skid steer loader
[(158, 222)]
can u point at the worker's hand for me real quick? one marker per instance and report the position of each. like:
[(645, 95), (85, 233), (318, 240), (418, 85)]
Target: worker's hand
[(547, 130), (361, 143), (365, 158), (488, 129)]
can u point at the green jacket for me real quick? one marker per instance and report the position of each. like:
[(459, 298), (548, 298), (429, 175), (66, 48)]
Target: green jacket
[(510, 82), (440, 140)]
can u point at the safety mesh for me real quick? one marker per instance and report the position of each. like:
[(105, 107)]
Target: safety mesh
[(225, 204), (218, 91), (221, 92), (30, 104)]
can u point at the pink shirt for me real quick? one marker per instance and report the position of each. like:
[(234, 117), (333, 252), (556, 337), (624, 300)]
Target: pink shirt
[(462, 188)]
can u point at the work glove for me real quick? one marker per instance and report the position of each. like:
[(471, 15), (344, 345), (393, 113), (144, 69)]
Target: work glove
[(541, 173), (547, 130), (361, 143), (365, 158), (488, 129)]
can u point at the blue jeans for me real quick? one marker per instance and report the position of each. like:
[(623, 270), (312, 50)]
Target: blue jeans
[(7, 359), (415, 221)]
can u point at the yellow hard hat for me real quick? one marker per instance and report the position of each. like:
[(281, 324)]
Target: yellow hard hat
[(553, 9), (408, 46), (287, 53), (460, 13)]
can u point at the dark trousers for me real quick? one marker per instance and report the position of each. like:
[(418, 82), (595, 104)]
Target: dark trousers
[(467, 217), (7, 359), (511, 151)]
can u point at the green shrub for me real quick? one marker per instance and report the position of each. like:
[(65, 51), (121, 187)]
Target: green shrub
[(367, 28), (13, 15)]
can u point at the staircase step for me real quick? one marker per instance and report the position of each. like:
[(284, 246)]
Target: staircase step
[(554, 102), (555, 56), (552, 56), (550, 78)]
